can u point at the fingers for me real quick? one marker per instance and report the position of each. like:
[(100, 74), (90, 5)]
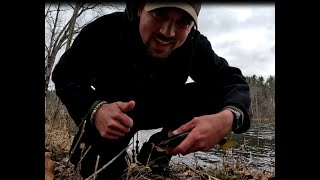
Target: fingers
[(123, 119), (126, 106), (122, 122), (195, 141), (118, 125), (113, 134), (188, 142), (112, 122), (186, 127), (113, 129), (183, 147)]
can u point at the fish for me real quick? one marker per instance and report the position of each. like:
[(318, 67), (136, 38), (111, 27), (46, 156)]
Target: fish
[(226, 144), (174, 140)]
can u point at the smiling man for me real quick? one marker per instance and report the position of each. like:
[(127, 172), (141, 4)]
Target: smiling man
[(163, 29), (138, 62)]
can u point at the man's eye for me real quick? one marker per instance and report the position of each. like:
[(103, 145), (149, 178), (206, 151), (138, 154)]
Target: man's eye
[(185, 22), (157, 12)]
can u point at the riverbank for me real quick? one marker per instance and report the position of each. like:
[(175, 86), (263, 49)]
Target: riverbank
[(232, 166), (62, 169)]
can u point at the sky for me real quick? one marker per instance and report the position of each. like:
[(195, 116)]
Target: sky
[(243, 34)]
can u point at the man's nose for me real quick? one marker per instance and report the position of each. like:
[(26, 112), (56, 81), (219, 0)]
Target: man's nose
[(168, 29)]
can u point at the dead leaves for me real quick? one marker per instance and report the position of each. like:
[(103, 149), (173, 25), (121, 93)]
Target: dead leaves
[(49, 166)]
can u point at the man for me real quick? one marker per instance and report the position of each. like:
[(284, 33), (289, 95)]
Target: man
[(127, 71)]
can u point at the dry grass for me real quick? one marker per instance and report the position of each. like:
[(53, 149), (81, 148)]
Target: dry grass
[(59, 133), (58, 142)]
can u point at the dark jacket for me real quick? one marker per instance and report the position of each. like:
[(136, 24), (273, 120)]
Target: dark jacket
[(111, 47)]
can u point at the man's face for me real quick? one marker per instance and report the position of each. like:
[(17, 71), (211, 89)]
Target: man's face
[(163, 30)]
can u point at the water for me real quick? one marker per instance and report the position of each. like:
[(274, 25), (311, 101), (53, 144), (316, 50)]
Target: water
[(256, 149)]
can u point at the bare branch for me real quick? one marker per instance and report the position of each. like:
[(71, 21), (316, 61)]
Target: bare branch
[(60, 31)]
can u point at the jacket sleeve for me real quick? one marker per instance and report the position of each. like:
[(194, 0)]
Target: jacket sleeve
[(72, 77), (213, 71)]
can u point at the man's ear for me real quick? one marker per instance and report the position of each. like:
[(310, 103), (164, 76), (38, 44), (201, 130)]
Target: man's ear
[(140, 9), (193, 26), (134, 8)]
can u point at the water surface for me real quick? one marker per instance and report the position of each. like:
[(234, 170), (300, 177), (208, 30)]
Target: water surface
[(256, 149)]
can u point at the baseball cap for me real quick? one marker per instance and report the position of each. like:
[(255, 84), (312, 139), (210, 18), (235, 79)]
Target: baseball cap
[(192, 7)]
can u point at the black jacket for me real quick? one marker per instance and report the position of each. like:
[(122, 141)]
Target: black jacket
[(111, 47)]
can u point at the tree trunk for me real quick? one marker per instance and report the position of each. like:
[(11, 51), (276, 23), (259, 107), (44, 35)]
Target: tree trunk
[(72, 24)]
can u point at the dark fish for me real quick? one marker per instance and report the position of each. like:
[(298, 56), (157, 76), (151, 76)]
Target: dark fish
[(175, 140), (172, 141)]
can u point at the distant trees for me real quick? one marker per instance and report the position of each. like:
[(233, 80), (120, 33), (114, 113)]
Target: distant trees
[(262, 97)]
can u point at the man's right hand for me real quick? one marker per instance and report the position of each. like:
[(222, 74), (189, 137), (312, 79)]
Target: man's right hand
[(111, 120)]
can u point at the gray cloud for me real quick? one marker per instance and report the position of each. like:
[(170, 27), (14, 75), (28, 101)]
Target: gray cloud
[(242, 34)]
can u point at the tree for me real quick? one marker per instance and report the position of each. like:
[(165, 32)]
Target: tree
[(270, 87), (262, 97), (63, 21)]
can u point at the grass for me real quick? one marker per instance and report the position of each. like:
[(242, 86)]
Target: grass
[(59, 134)]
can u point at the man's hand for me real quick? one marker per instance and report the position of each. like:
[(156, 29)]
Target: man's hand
[(111, 120), (206, 131)]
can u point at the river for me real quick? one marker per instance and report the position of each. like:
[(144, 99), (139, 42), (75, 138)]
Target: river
[(256, 149)]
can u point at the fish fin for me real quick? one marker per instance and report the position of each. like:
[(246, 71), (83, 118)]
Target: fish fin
[(225, 144)]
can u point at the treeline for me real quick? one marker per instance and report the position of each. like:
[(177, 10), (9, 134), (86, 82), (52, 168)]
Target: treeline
[(262, 92)]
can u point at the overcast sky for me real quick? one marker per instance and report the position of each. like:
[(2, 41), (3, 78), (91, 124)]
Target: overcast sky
[(242, 34)]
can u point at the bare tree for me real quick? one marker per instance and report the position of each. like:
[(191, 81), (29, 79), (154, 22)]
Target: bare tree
[(262, 93), (63, 21)]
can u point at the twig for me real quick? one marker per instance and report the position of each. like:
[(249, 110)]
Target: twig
[(147, 163), (82, 156), (83, 123), (106, 165), (195, 171), (72, 152), (96, 167), (78, 167)]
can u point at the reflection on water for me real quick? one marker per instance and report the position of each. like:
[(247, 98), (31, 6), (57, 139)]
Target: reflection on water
[(256, 149)]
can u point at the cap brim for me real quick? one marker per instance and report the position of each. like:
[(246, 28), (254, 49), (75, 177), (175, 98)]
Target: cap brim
[(184, 6)]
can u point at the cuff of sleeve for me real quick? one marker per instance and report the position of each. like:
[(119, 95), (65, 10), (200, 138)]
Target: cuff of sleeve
[(95, 106), (238, 118)]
